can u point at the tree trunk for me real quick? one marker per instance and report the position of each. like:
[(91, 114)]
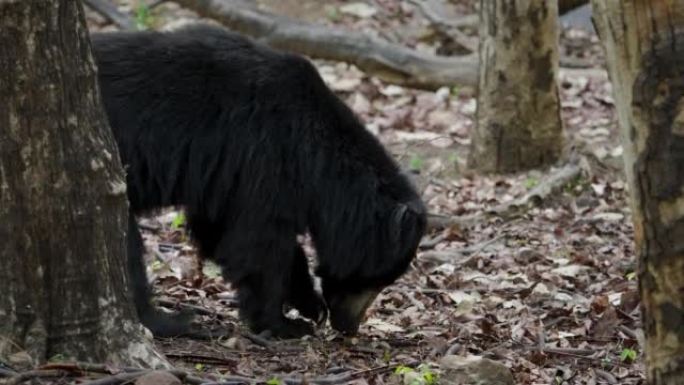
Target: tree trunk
[(63, 206), (644, 43), (518, 113)]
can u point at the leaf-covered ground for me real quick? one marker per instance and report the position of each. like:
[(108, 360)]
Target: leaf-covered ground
[(546, 289)]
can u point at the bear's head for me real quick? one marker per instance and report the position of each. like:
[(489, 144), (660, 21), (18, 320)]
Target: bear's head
[(371, 242)]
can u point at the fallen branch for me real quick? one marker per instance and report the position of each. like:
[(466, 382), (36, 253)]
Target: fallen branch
[(550, 185), (451, 255), (203, 359), (35, 374), (539, 193), (206, 334), (114, 376), (438, 221), (445, 26), (576, 351), (609, 378), (430, 243), (343, 377), (111, 13), (389, 62), (130, 375)]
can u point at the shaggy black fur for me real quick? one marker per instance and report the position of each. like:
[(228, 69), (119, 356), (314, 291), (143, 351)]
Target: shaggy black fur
[(258, 150)]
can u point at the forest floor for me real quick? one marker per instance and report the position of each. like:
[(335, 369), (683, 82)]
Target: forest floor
[(548, 290)]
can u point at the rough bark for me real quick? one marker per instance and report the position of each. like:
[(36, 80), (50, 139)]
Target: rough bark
[(644, 43), (62, 196), (389, 62), (518, 115)]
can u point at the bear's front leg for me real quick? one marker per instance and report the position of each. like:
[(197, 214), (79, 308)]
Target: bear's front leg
[(301, 293), (262, 271), (261, 306)]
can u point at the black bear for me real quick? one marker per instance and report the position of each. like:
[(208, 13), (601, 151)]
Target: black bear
[(258, 150)]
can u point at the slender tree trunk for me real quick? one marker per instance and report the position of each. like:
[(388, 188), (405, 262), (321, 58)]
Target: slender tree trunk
[(62, 196), (518, 113), (644, 43)]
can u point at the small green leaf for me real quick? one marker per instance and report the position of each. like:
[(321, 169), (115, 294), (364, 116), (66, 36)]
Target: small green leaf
[(274, 381), (628, 354), (156, 265), (333, 14), (416, 163), (401, 369), (631, 276), (606, 362), (143, 19), (57, 358), (211, 270), (531, 182), (178, 221), (429, 378), (199, 367)]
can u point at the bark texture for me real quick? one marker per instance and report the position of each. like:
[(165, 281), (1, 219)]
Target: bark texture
[(62, 196), (644, 43), (518, 114)]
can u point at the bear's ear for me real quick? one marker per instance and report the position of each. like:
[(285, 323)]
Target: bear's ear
[(407, 225)]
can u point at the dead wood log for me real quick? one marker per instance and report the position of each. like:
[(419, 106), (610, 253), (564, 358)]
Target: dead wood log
[(389, 62), (432, 10), (111, 13)]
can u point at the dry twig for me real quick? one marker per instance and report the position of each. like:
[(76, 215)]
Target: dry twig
[(554, 182), (109, 11)]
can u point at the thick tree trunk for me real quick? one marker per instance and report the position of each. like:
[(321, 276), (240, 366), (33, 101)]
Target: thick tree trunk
[(62, 196), (518, 113), (644, 43)]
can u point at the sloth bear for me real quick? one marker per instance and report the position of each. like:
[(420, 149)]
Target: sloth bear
[(257, 150)]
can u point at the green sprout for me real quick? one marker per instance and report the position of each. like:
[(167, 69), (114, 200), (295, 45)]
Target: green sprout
[(424, 375), (143, 17), (178, 221), (531, 182), (628, 354), (416, 163)]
